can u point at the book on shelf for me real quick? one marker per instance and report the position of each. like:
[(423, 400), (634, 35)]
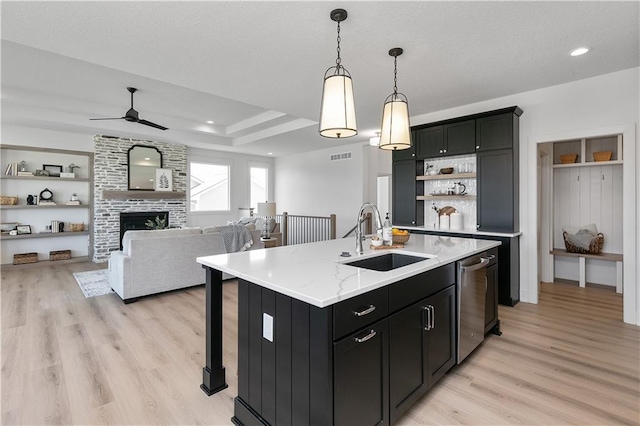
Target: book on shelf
[(25, 173), (73, 203), (46, 203)]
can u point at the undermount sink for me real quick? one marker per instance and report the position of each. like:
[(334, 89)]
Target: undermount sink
[(386, 262)]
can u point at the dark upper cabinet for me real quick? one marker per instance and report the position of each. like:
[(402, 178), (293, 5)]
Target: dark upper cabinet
[(421, 348), (460, 138), (405, 209), (495, 132), (429, 142), (445, 140), (361, 377), (497, 193)]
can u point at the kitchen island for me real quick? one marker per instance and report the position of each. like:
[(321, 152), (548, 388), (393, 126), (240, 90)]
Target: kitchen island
[(323, 342)]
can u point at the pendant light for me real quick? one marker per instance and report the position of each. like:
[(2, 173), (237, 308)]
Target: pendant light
[(395, 133), (337, 113)]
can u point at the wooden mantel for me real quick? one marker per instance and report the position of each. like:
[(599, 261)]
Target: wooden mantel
[(144, 195)]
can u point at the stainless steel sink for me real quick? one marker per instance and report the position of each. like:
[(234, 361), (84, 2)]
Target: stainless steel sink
[(386, 262)]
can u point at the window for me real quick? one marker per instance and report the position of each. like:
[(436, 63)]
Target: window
[(209, 187), (259, 191)]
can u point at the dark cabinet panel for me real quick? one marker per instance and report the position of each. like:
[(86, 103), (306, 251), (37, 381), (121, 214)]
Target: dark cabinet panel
[(359, 311), (448, 139), (491, 298), (405, 209), (497, 199), (421, 348), (508, 277), (496, 132), (405, 154), (460, 138), (429, 142), (361, 387), (441, 351)]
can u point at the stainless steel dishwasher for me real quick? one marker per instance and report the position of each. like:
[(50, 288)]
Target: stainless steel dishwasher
[(471, 290)]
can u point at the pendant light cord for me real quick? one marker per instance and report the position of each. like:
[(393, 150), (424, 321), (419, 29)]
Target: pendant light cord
[(338, 59), (395, 76)]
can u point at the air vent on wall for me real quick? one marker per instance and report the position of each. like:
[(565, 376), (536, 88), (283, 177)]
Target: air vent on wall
[(341, 156)]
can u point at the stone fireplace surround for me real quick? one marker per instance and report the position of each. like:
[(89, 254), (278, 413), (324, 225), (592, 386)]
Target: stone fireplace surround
[(110, 174)]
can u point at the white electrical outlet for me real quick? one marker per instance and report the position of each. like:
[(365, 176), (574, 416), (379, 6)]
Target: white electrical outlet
[(267, 327)]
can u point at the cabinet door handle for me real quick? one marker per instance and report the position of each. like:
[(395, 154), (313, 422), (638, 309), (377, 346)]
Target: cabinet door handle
[(486, 284), (432, 316), (477, 146), (445, 151), (365, 338), (426, 309), (370, 309), (440, 151)]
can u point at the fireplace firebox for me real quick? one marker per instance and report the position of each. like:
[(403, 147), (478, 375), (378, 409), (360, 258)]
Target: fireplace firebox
[(142, 221)]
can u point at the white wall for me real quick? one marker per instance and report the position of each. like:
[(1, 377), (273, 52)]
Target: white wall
[(239, 182), (311, 184), (29, 136)]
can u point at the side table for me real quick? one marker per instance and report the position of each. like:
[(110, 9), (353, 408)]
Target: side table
[(269, 242)]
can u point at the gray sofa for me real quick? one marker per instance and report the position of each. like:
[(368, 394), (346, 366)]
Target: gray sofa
[(161, 260)]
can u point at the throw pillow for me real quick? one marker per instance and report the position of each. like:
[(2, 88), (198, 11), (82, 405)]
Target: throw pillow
[(250, 226)]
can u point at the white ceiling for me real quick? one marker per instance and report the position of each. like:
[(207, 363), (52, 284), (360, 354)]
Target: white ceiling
[(256, 68)]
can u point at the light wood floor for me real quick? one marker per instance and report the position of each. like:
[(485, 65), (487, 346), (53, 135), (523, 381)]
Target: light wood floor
[(71, 360)]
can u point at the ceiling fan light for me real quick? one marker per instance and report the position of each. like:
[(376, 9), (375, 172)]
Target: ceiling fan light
[(395, 133), (337, 113)]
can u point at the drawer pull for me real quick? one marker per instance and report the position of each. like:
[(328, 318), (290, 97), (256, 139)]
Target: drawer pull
[(365, 338), (370, 309)]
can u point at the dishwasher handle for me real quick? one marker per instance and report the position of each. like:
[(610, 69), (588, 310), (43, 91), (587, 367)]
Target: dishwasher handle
[(482, 264)]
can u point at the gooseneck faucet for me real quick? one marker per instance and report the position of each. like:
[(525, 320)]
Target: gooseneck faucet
[(359, 236)]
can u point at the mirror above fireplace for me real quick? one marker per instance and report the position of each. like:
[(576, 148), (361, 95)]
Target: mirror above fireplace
[(142, 164)]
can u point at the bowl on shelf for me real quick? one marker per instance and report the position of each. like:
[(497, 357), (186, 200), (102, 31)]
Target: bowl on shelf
[(602, 156), (446, 171), (568, 158)]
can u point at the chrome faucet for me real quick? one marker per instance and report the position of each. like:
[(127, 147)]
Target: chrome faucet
[(359, 236)]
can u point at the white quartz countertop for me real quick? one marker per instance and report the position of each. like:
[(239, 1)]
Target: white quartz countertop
[(315, 273), (461, 231)]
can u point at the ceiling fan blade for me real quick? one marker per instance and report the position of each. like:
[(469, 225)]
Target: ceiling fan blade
[(114, 118), (149, 123)]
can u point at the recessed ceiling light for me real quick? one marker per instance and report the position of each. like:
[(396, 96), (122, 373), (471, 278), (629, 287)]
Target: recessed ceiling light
[(269, 153), (147, 158), (210, 121), (579, 51), (150, 180)]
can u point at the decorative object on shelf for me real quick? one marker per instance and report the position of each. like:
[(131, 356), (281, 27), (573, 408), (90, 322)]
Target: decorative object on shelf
[(585, 240), (32, 200), (7, 227), (71, 168), (23, 229), (267, 210), (6, 200), (76, 227), (59, 255), (459, 188), (74, 201), (54, 170), (164, 180), (46, 198), (23, 258), (395, 133), (602, 156), (568, 158), (428, 169), (455, 221), (42, 172), (446, 171), (23, 166), (337, 110)]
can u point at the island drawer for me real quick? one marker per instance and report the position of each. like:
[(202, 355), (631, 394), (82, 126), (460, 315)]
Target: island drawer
[(360, 311), (412, 289)]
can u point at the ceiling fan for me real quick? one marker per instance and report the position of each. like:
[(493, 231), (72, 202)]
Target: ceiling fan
[(132, 115)]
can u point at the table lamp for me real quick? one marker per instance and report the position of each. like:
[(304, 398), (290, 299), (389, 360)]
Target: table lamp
[(266, 210)]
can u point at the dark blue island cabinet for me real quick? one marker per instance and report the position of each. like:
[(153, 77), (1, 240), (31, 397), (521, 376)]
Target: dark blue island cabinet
[(362, 361)]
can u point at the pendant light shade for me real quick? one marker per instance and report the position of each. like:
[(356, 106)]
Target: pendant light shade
[(337, 113), (395, 131)]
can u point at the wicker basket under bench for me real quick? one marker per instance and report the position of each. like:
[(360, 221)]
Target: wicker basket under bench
[(613, 257)]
